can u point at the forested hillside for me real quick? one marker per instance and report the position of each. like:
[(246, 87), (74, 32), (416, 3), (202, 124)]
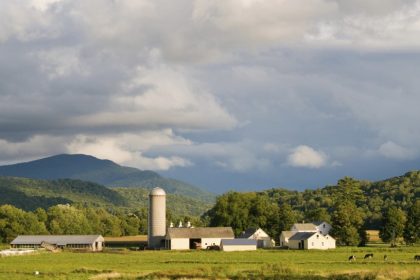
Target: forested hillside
[(104, 172), (351, 206)]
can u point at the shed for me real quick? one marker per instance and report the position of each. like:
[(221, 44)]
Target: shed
[(263, 239), (240, 244), (284, 238), (196, 238), (85, 242)]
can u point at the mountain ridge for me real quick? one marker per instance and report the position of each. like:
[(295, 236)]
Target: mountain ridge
[(100, 171)]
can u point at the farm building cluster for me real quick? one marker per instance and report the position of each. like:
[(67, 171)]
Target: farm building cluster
[(300, 236)]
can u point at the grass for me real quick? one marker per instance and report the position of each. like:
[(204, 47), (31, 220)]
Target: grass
[(261, 264)]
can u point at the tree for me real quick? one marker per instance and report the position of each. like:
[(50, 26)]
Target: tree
[(347, 221), (393, 224), (317, 214), (65, 219), (287, 217), (412, 226)]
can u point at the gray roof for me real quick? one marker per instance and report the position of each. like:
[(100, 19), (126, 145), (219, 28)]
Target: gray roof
[(302, 235), (60, 240), (306, 226), (200, 232), (241, 241), (248, 233), (317, 223)]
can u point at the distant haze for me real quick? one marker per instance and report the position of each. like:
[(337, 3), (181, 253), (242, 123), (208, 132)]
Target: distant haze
[(223, 94)]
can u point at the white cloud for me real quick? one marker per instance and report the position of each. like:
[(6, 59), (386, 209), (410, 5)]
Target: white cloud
[(395, 151), (130, 149), (305, 156)]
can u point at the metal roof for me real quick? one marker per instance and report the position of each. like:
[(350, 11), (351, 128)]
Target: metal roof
[(200, 232), (302, 235), (240, 241), (60, 240), (248, 233)]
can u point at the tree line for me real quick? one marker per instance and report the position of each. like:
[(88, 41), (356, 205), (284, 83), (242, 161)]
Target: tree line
[(67, 219), (352, 207)]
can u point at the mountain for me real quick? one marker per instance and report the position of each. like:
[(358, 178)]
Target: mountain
[(29, 194), (104, 172)]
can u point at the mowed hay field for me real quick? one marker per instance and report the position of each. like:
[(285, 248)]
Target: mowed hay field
[(261, 264)]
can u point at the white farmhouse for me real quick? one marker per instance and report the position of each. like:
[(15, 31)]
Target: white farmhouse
[(311, 240), (323, 227), (196, 238), (263, 239), (320, 226)]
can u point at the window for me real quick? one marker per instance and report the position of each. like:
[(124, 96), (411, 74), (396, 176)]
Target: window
[(323, 225), (312, 244), (322, 243)]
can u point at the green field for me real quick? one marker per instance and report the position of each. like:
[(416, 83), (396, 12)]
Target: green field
[(261, 264)]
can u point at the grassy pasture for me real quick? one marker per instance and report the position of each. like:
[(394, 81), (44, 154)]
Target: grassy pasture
[(262, 264)]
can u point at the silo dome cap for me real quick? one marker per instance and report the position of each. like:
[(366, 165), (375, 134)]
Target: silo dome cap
[(157, 191)]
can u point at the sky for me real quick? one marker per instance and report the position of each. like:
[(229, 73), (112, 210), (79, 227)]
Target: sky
[(223, 94)]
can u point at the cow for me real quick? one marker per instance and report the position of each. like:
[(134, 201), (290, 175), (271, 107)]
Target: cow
[(368, 256), (352, 258), (385, 258), (417, 257)]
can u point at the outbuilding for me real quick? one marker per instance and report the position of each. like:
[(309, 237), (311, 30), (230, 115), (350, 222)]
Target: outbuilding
[(240, 244), (263, 239), (82, 242), (196, 238), (311, 240)]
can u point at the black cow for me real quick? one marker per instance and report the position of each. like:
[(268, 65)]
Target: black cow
[(368, 256), (417, 257), (385, 257), (352, 258)]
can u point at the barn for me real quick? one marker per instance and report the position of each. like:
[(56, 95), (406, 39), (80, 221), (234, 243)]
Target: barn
[(196, 238), (80, 242), (230, 245), (263, 239), (311, 240)]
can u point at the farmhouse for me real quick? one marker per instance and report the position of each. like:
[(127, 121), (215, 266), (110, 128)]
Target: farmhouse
[(230, 245), (311, 240), (196, 238), (85, 242), (308, 236), (319, 226), (262, 238)]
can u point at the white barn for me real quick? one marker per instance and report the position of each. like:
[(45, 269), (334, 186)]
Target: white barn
[(241, 244), (311, 240), (81, 242), (284, 238), (262, 238), (196, 238)]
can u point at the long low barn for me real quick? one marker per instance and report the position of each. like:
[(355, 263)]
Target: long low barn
[(196, 238), (86, 242), (231, 245)]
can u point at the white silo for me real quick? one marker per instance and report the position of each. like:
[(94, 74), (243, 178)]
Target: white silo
[(157, 218)]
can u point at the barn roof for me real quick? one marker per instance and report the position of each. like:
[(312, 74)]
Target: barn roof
[(248, 233), (241, 241), (302, 235), (317, 223), (200, 232), (305, 227), (60, 240)]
